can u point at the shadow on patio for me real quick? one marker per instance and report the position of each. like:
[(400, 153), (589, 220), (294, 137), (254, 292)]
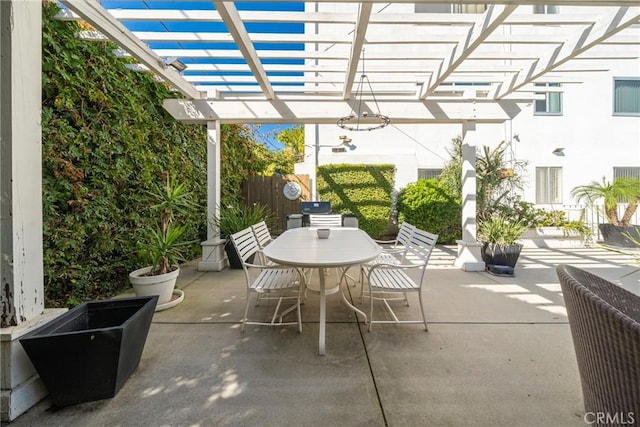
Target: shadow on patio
[(498, 352)]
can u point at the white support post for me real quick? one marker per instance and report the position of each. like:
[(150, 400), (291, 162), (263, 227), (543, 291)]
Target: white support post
[(21, 259), (469, 258), (213, 256)]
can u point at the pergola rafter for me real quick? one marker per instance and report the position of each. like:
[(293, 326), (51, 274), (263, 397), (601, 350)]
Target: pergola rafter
[(480, 31), (99, 18), (362, 22), (234, 24)]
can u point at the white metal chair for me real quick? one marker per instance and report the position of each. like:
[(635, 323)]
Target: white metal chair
[(392, 253), (263, 236), (386, 280), (273, 282), (329, 220)]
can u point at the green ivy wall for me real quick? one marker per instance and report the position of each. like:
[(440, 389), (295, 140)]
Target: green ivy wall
[(106, 141)]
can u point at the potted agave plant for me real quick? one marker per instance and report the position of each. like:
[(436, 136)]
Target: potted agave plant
[(500, 249), (236, 217), (164, 247)]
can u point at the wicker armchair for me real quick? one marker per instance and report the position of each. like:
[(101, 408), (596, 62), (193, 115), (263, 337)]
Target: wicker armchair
[(605, 325)]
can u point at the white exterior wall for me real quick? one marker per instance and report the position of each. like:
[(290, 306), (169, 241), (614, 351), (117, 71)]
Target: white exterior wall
[(594, 140)]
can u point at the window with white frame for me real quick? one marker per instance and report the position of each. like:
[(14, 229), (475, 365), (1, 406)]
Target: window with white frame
[(626, 96), (548, 185), (545, 9), (449, 8), (552, 102), (626, 172), (429, 173)]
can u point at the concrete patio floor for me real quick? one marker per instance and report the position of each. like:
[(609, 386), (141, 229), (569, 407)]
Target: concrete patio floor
[(498, 353)]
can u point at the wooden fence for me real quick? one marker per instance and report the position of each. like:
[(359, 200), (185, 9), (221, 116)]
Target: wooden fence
[(267, 191)]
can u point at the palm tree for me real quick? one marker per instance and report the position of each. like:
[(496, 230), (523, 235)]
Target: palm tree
[(621, 189)]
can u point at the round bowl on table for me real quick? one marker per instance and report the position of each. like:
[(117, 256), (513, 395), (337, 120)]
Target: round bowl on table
[(323, 233)]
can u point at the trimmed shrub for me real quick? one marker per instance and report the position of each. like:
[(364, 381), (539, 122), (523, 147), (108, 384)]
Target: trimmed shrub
[(364, 190), (427, 205)]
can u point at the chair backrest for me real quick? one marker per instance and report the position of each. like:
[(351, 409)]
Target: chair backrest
[(245, 243), (605, 325), (404, 234), (261, 231), (325, 220), (422, 243)]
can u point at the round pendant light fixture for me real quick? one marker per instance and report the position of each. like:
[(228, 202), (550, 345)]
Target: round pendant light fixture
[(361, 119)]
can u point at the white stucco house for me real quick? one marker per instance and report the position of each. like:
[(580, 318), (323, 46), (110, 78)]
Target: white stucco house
[(585, 128)]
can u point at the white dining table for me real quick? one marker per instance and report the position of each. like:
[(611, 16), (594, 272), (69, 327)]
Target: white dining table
[(301, 247)]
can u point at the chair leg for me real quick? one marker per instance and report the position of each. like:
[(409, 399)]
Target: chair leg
[(362, 286), (299, 315), (371, 308), (246, 312), (424, 318)]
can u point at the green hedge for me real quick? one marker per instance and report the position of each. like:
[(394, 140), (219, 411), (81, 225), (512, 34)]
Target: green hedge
[(427, 205), (364, 190), (106, 140)]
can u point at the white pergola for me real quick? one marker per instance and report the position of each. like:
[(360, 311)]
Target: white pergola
[(424, 67)]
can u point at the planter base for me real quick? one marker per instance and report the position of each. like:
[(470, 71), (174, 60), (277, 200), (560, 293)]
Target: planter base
[(500, 270), (89, 352), (619, 236), (161, 284), (501, 256), (177, 298)]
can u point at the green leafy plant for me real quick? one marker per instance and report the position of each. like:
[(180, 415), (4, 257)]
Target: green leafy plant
[(428, 205), (579, 228), (236, 217), (364, 190), (164, 245), (105, 140), (621, 189), (496, 191), (500, 230), (497, 179)]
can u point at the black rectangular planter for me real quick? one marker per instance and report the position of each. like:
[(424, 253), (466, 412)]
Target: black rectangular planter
[(89, 352)]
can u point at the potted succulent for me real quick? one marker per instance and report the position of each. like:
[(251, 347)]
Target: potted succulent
[(616, 231), (164, 247), (236, 217), (499, 235)]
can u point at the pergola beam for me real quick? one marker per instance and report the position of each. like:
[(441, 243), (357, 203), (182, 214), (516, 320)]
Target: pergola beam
[(235, 26), (323, 111), (94, 14)]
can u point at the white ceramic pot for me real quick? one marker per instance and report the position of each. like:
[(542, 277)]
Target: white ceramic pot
[(161, 285), (323, 233)]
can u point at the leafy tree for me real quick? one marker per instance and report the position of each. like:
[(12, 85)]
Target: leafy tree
[(293, 140), (627, 189), (451, 175), (497, 181)]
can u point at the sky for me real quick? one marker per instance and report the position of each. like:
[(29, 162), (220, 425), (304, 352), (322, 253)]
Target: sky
[(265, 133)]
